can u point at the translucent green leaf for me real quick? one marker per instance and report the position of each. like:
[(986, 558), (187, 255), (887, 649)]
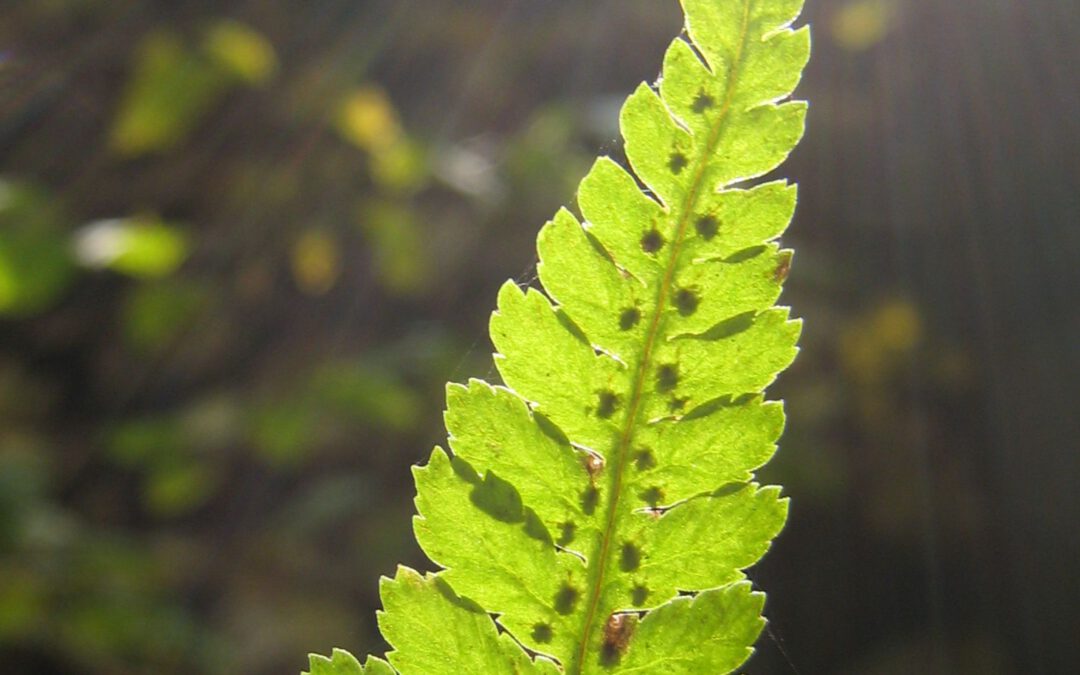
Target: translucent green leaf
[(157, 313), (244, 52), (173, 86), (710, 633), (598, 509), (170, 90), (433, 630), (340, 662), (35, 262), (142, 246), (400, 261)]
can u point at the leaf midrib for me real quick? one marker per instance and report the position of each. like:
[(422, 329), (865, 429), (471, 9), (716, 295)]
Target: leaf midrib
[(598, 567)]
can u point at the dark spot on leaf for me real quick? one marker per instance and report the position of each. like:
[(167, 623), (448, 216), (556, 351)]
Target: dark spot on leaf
[(707, 227), (499, 499), (608, 404), (652, 496), (568, 530), (629, 318), (667, 377), (644, 460), (590, 499), (652, 241), (542, 633), (565, 599), (610, 656), (677, 404), (630, 558), (618, 630), (677, 162), (639, 595), (703, 102), (686, 301)]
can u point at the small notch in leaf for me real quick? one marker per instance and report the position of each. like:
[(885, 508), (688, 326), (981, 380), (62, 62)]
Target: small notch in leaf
[(686, 301), (707, 227), (652, 241), (629, 318)]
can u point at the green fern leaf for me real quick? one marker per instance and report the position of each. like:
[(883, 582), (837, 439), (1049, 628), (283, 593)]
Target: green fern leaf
[(596, 513)]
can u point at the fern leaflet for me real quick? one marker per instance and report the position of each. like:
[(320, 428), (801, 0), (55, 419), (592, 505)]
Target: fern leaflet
[(597, 512)]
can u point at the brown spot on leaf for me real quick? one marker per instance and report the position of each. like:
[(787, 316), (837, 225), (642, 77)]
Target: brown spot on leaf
[(629, 318), (707, 227), (607, 405), (703, 102), (686, 301), (652, 241), (780, 274), (618, 630), (667, 377), (677, 162), (644, 459)]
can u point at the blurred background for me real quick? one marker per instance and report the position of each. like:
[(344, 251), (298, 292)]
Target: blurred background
[(243, 246)]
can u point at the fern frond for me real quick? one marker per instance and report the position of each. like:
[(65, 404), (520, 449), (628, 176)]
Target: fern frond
[(597, 512)]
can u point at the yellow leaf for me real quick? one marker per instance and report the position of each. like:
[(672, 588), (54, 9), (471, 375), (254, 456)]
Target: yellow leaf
[(316, 262), (367, 119), (241, 50), (861, 24)]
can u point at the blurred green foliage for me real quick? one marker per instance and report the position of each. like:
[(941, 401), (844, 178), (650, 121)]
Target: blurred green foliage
[(141, 246), (35, 262), (173, 86)]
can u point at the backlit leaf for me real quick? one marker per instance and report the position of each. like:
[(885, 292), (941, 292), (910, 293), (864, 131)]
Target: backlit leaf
[(597, 510)]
